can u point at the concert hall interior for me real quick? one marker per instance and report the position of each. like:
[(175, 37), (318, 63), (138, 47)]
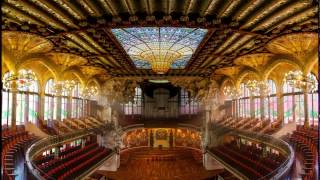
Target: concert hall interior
[(159, 89)]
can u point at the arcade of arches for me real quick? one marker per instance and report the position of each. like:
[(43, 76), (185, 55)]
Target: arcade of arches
[(211, 89)]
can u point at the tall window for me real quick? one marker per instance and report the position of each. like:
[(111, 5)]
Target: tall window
[(293, 104), (187, 104), (33, 104), (27, 104), (77, 104), (257, 112), (6, 113), (271, 105), (313, 104), (64, 104), (134, 107), (244, 101), (50, 102)]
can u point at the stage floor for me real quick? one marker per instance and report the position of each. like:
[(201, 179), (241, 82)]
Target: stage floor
[(164, 164)]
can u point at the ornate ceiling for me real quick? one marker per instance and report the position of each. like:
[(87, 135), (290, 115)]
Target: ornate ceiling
[(235, 28)]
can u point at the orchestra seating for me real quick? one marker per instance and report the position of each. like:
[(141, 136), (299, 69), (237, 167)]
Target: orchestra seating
[(71, 162), (14, 141), (305, 141), (249, 160)]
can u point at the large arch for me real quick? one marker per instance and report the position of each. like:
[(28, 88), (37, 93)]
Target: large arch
[(77, 73), (52, 67), (95, 81), (273, 64), (243, 74)]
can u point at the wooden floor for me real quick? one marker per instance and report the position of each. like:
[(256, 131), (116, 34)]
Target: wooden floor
[(149, 164)]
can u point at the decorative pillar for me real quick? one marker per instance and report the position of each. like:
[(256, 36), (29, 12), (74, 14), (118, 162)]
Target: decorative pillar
[(236, 108), (69, 107), (252, 106), (280, 107), (262, 99), (58, 96), (306, 114), (26, 108), (41, 107), (14, 91), (206, 121)]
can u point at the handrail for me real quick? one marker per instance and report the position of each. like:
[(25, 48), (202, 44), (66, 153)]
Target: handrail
[(227, 166), (132, 126), (189, 126), (86, 173), (50, 141), (279, 144)]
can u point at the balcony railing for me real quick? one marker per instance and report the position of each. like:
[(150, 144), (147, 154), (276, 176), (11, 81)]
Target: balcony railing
[(278, 144), (54, 141)]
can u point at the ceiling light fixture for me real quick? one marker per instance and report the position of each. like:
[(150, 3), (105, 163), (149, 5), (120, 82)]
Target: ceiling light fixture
[(298, 80), (23, 79), (160, 47)]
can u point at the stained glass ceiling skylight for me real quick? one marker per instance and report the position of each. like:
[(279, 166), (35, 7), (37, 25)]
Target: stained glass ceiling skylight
[(160, 48)]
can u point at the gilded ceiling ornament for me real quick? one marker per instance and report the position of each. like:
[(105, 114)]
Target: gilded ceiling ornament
[(67, 59), (299, 45), (229, 71), (21, 44), (91, 70), (256, 61)]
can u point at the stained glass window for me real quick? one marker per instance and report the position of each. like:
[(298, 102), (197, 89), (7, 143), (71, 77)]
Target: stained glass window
[(76, 102), (257, 113), (271, 103), (293, 104), (136, 106), (313, 105), (188, 105), (50, 102), (33, 104), (6, 104), (244, 101), (27, 104), (137, 41)]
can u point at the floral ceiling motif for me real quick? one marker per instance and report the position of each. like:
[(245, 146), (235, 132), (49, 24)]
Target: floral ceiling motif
[(229, 71), (298, 44), (91, 70), (256, 61), (21, 44), (66, 59)]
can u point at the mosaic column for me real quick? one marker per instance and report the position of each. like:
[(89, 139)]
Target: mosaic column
[(252, 115), (306, 114), (58, 96), (262, 99), (14, 91)]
